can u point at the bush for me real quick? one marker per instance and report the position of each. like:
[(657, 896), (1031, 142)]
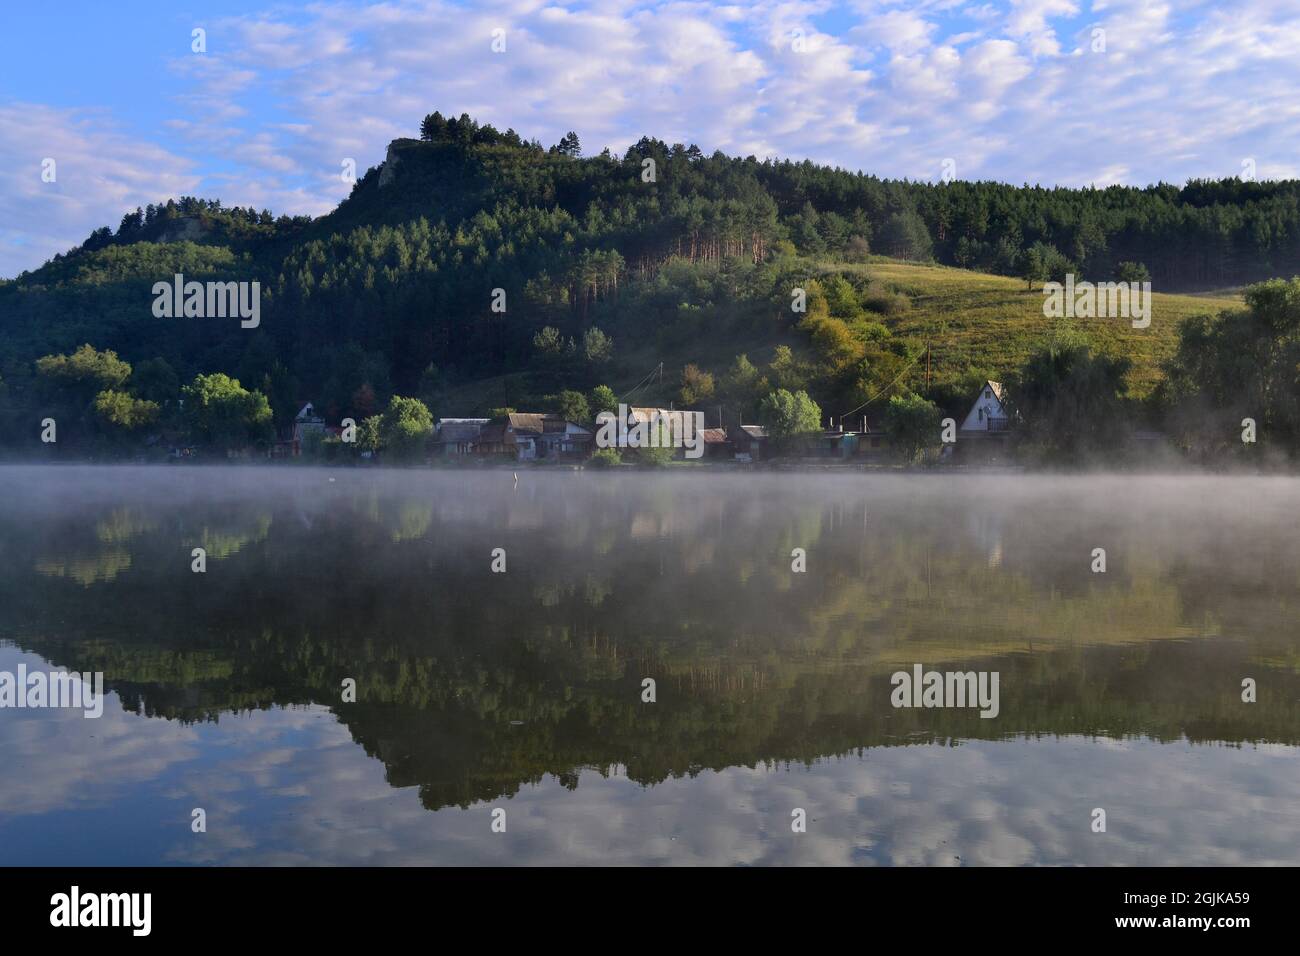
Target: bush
[(887, 303), (606, 458)]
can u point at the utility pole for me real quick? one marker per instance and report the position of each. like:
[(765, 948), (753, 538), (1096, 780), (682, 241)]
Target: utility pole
[(927, 366)]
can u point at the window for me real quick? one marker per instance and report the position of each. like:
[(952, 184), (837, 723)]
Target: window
[(988, 393), (981, 414)]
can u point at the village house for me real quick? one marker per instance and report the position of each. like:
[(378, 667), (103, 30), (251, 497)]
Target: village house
[(307, 427), (873, 443), (988, 416), (682, 430), (305, 423), (987, 425), (835, 442), (717, 446), (457, 437), (532, 436), (750, 442)]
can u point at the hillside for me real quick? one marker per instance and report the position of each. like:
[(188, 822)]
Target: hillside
[(611, 268)]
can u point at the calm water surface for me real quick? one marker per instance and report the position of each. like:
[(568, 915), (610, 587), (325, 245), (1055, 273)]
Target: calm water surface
[(522, 690)]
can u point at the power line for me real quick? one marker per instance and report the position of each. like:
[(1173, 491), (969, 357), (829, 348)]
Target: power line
[(905, 370), (658, 369)]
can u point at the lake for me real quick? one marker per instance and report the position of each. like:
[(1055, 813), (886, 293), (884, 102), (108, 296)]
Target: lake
[(524, 689)]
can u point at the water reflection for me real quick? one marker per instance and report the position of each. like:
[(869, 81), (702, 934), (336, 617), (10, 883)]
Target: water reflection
[(1118, 689)]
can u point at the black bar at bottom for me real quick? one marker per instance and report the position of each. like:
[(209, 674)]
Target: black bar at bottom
[(337, 905)]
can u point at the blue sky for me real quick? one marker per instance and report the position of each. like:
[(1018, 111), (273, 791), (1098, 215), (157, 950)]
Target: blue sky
[(1013, 90)]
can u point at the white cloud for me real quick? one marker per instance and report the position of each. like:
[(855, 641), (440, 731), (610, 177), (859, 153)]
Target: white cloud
[(100, 174)]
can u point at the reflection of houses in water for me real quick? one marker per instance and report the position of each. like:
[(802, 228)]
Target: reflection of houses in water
[(986, 528)]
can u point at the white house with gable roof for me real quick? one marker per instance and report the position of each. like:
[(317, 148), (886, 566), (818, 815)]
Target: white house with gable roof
[(989, 415)]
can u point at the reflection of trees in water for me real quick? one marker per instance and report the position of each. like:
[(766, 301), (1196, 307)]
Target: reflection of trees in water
[(227, 535), (86, 570), (91, 553), (753, 663), (123, 524)]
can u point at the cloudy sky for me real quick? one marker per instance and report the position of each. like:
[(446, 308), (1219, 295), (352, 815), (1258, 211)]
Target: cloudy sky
[(1049, 91)]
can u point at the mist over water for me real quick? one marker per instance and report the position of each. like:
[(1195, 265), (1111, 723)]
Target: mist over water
[(523, 689)]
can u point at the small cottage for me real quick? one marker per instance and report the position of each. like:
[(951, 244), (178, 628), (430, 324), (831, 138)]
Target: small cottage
[(988, 416), (457, 437), (750, 442), (984, 432), (533, 436)]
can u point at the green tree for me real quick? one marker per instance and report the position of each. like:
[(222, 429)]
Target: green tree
[(573, 406), (548, 341), (1042, 262), (606, 458), (1132, 272), (784, 371), (405, 427), (569, 145), (597, 346), (431, 384), (744, 385), (603, 399), (221, 412), (85, 372), (370, 434), (1244, 363), (120, 410), (697, 385), (1069, 402), (904, 236), (912, 426), (156, 381), (789, 415)]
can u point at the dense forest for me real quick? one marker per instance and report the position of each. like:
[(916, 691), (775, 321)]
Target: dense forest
[(475, 270)]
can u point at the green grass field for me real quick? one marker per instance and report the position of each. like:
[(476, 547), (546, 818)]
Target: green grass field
[(994, 322)]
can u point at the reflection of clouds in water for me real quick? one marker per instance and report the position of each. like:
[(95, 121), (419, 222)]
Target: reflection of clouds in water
[(290, 786), (983, 803), (57, 759)]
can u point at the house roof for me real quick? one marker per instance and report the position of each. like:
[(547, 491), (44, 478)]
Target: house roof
[(529, 423), (644, 413), (460, 429), (998, 390), (714, 436), (754, 431)]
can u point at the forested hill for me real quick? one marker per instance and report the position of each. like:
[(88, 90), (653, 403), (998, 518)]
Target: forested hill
[(607, 264)]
